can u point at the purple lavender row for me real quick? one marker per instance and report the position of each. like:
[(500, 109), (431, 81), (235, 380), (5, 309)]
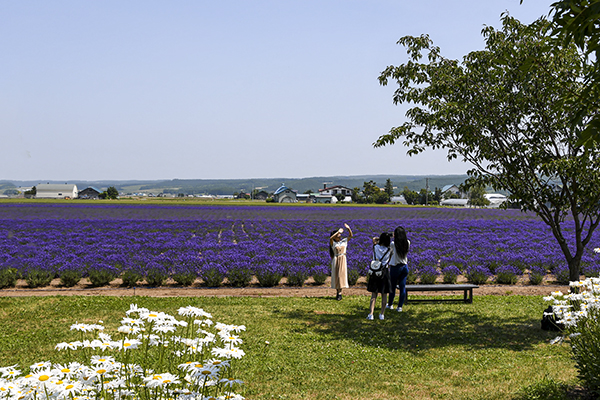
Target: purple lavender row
[(139, 242)]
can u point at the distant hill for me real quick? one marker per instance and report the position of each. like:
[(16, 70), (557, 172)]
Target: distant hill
[(230, 186)]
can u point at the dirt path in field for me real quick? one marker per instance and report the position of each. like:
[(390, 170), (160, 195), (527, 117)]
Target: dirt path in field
[(309, 290)]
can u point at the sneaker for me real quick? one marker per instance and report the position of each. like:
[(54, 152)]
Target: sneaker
[(388, 306), (381, 316), (399, 309), (370, 317)]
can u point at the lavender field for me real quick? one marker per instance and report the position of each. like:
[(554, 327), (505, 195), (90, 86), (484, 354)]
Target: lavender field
[(219, 244)]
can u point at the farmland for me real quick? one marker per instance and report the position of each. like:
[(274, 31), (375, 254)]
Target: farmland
[(200, 240)]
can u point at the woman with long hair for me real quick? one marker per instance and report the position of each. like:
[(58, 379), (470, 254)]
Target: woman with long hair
[(339, 266), (399, 267)]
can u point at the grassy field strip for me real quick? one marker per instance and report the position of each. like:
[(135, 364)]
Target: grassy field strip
[(317, 348)]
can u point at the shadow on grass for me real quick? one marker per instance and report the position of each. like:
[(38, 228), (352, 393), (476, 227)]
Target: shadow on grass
[(429, 325)]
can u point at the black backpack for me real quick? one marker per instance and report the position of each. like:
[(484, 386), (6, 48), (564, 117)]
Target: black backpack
[(549, 321)]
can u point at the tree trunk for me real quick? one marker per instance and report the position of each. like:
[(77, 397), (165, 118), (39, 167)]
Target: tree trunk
[(574, 265)]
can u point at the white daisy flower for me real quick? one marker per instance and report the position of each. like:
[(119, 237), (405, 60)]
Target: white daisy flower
[(40, 365), (161, 380), (97, 360), (190, 311), (231, 381), (133, 308)]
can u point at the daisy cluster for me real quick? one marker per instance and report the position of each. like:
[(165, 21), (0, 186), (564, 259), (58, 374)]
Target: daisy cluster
[(196, 241), (579, 313), (153, 356), (575, 309)]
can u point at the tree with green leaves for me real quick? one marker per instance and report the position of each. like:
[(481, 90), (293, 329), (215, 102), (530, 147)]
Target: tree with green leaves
[(477, 197), (512, 124), (389, 189), (112, 193), (31, 192), (437, 195), (578, 22), (410, 196)]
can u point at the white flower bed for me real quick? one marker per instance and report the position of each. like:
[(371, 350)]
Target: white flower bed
[(579, 314), (153, 356)]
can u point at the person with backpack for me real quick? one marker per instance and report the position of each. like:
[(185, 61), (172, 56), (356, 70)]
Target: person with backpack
[(379, 274), (398, 267), (339, 266)]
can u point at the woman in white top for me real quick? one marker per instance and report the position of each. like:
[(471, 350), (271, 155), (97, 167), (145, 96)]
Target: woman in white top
[(339, 266), (399, 267)]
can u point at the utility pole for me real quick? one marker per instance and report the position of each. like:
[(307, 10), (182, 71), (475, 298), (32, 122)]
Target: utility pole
[(426, 191)]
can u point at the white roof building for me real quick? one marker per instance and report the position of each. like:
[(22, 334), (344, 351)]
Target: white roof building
[(454, 202), (495, 199), (56, 191)]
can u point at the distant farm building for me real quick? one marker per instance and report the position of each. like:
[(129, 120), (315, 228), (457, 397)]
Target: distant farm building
[(323, 198), (398, 200), (56, 191), (284, 195), (454, 202), (495, 199), (89, 193), (334, 191), (451, 190), (262, 195)]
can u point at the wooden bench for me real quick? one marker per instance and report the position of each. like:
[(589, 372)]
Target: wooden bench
[(466, 288)]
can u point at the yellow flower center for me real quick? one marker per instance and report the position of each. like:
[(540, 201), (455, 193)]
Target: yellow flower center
[(166, 381), (69, 387), (65, 370), (43, 378), (127, 345), (205, 372), (101, 371)]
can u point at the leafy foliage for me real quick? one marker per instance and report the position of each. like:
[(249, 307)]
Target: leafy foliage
[(70, 277), (8, 277), (297, 277), (239, 277), (512, 123), (131, 277), (38, 277), (212, 275), (353, 275), (578, 22), (156, 274), (102, 275)]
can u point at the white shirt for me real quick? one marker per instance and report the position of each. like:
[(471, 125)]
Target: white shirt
[(380, 251), (396, 259)]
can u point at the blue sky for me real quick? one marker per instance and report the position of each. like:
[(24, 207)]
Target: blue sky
[(94, 90)]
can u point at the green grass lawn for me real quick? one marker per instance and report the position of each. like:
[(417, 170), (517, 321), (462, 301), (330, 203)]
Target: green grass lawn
[(318, 348)]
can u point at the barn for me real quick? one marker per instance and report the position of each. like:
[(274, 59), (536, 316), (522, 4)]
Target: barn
[(56, 191), (284, 195), (89, 193)]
